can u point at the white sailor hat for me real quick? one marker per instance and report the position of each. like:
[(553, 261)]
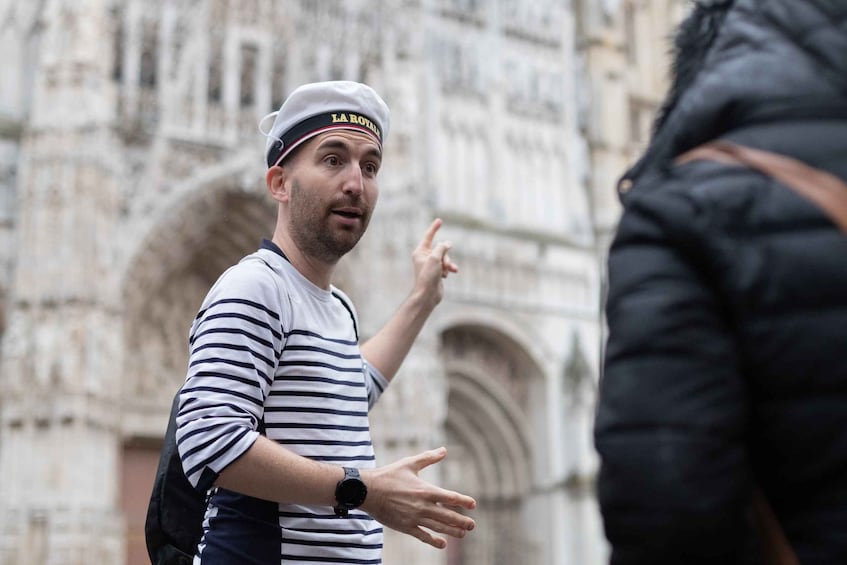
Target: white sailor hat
[(321, 106)]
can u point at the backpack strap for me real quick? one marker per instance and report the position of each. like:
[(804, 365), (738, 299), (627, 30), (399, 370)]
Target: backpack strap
[(174, 523), (271, 246), (822, 188), (775, 546), (349, 309), (336, 294)]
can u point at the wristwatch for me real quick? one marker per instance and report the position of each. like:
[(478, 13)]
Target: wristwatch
[(350, 492)]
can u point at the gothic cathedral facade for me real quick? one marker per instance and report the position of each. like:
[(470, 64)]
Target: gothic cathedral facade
[(131, 176)]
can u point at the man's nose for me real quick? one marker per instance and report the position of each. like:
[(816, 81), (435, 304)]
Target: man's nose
[(354, 182)]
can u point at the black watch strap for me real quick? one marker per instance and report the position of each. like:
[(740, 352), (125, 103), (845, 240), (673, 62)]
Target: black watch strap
[(350, 492)]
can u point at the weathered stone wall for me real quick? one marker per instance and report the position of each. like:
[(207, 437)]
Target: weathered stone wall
[(131, 176)]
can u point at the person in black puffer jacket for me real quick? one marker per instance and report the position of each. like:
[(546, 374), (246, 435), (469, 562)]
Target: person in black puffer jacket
[(726, 363)]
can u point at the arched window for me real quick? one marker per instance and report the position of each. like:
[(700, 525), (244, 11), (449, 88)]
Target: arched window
[(482, 193), (148, 70), (491, 437), (249, 56), (443, 165), (118, 39), (631, 32), (215, 85)]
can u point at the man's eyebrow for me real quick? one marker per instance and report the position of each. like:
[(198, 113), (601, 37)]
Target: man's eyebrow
[(340, 144), (374, 152), (333, 144)]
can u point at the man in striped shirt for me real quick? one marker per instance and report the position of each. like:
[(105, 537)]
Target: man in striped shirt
[(273, 416)]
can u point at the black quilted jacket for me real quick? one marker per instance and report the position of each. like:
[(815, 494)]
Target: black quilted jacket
[(726, 364)]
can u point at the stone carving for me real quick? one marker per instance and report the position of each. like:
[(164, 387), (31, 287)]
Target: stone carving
[(490, 358), (578, 384), (131, 175), (462, 68), (534, 90), (533, 20)]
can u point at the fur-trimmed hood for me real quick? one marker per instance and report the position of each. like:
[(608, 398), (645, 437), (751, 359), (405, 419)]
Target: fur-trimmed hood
[(739, 62)]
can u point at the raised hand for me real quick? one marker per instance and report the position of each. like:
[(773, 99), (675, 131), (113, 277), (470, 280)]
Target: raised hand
[(399, 499), (432, 264)]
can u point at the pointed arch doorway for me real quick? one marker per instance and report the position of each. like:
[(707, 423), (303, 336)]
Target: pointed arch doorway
[(494, 423), (211, 228)]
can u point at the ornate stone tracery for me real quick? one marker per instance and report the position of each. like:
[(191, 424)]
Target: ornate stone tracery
[(185, 252), (488, 423), (493, 358), (131, 177)]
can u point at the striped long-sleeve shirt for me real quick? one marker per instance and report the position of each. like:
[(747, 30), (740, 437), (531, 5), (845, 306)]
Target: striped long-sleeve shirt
[(272, 353)]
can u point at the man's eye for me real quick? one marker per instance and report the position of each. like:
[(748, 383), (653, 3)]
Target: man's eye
[(332, 160), (371, 168)]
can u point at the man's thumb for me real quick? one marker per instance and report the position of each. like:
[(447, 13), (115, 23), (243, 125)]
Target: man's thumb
[(441, 249), (427, 458)]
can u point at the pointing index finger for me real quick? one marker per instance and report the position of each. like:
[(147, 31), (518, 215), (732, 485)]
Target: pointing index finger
[(430, 233)]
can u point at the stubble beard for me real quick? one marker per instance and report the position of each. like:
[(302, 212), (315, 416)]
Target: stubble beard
[(310, 228)]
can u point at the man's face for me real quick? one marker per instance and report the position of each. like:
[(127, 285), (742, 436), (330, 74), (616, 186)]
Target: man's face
[(332, 192)]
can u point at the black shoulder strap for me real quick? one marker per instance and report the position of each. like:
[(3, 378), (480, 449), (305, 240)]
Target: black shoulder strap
[(349, 311), (336, 294)]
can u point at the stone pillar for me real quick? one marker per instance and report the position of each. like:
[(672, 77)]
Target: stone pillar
[(59, 373)]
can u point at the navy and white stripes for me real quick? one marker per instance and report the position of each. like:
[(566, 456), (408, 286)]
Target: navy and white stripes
[(268, 347)]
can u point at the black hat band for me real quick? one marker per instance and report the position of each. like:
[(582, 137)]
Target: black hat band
[(313, 125)]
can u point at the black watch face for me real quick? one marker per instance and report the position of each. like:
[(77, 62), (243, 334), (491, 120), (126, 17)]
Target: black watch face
[(351, 493)]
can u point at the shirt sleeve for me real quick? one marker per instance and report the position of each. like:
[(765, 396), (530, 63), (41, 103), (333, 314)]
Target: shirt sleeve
[(374, 382), (235, 342)]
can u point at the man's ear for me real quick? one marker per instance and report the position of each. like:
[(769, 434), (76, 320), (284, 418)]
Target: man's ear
[(276, 180)]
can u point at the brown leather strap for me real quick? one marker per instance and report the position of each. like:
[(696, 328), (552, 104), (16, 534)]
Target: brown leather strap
[(775, 547), (822, 188), (830, 194)]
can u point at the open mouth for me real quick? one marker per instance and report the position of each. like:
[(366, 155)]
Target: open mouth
[(348, 213)]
